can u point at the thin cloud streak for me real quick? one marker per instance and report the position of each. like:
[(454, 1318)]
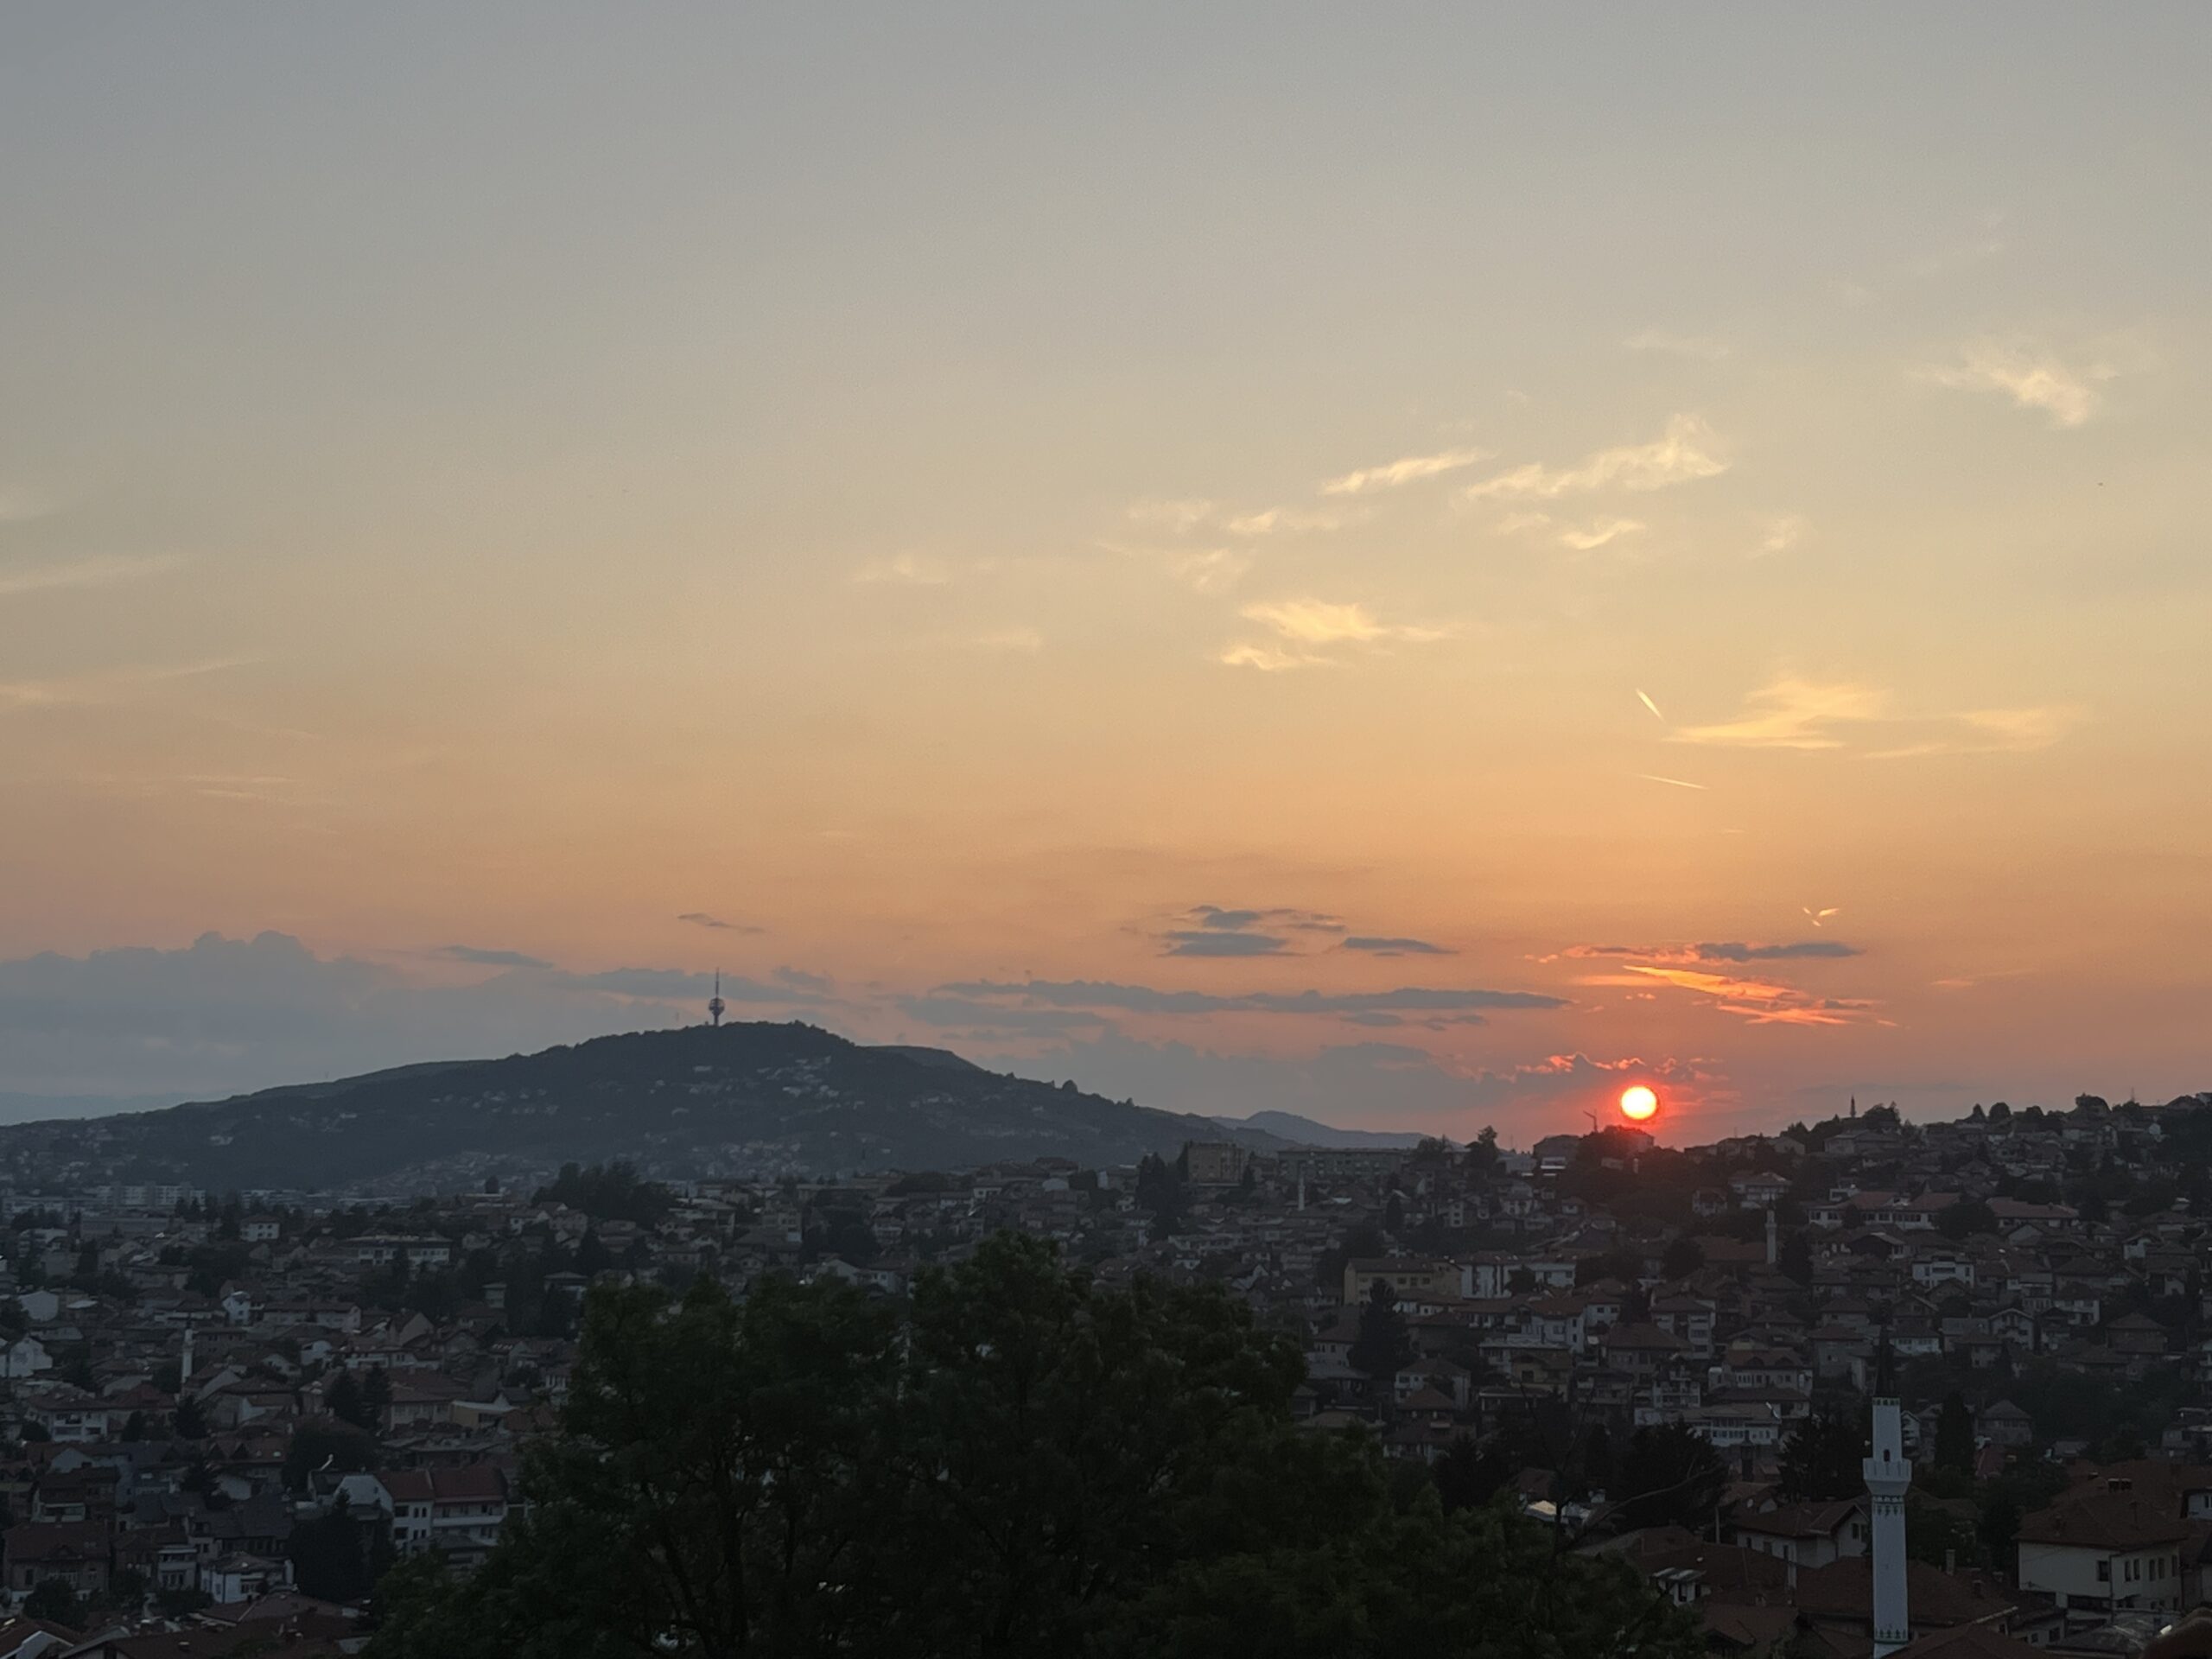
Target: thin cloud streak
[(1271, 659), (1598, 533), (1323, 622), (1145, 999), (97, 572), (108, 686), (1686, 451), (1411, 469), (2032, 380), (1810, 715)]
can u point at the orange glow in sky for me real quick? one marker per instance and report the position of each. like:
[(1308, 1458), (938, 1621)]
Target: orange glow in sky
[(854, 520)]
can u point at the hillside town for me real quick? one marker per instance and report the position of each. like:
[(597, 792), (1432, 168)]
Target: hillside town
[(228, 1414)]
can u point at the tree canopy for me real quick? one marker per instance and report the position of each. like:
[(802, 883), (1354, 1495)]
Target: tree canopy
[(1822, 1457), (1028, 1463)]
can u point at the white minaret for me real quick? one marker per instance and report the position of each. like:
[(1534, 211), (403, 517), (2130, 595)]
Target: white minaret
[(1888, 1476)]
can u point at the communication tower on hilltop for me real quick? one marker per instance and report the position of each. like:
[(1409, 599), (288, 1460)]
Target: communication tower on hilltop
[(715, 1005)]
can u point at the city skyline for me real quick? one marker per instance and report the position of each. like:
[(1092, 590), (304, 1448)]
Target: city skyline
[(1417, 576)]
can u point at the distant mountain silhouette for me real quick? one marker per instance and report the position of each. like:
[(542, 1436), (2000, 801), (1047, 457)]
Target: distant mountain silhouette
[(734, 1100), (1304, 1131)]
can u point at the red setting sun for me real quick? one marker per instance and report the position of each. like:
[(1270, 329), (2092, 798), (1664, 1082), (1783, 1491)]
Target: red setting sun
[(1638, 1103)]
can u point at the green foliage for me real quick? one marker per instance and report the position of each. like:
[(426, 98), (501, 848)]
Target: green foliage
[(1030, 1464), (1935, 1530), (1381, 1346), (1160, 1190), (2108, 1414), (608, 1192), (1684, 1256), (1481, 1152), (52, 1600), (330, 1555), (1954, 1434), (342, 1399), (1671, 1476), (1821, 1457), (1965, 1218)]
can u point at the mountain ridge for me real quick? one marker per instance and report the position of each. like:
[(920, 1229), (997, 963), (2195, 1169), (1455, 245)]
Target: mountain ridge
[(696, 1102)]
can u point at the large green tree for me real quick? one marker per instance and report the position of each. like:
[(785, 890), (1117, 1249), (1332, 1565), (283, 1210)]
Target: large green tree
[(1954, 1434), (1822, 1457), (1382, 1346), (1671, 1476), (1026, 1463)]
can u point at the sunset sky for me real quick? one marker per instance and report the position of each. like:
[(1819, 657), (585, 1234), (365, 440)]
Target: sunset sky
[(1415, 567)]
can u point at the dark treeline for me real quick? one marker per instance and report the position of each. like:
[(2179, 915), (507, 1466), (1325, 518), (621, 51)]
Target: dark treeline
[(1020, 1462)]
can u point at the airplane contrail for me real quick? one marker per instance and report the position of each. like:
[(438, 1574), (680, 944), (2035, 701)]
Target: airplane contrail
[(1654, 777), (1648, 703)]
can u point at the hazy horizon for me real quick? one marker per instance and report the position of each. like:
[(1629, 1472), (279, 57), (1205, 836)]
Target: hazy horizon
[(1412, 573)]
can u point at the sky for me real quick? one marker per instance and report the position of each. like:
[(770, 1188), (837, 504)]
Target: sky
[(1413, 566)]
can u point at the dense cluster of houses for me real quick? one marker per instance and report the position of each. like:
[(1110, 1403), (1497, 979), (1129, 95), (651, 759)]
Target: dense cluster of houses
[(190, 1389)]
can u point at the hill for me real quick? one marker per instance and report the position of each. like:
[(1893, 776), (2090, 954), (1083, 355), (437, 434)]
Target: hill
[(1290, 1128), (739, 1099)]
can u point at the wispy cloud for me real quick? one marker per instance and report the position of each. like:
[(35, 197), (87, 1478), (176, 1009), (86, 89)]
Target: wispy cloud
[(1782, 533), (1728, 951), (1197, 942), (1703, 970), (478, 957), (1324, 622), (1599, 532), (2031, 380), (1181, 516), (1804, 714), (1271, 521), (107, 685), (1760, 1001), (1213, 570), (1271, 659), (1704, 347), (1316, 621), (1792, 714), (1145, 999), (1409, 470), (1216, 930), (1184, 517), (1202, 570), (1990, 731), (1686, 451), (98, 571), (1308, 627), (1375, 945), (700, 919)]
